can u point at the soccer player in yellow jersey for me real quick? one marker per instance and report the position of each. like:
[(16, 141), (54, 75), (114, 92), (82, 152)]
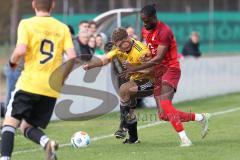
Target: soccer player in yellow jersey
[(42, 40), (136, 53)]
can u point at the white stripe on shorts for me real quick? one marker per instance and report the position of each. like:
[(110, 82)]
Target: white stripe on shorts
[(9, 106)]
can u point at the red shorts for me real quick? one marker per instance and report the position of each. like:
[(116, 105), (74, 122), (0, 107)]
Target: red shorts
[(164, 75)]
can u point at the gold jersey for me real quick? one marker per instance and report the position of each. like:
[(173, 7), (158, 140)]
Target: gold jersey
[(46, 39), (134, 57)]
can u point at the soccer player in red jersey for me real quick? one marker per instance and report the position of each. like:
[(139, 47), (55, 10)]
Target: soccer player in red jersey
[(160, 40)]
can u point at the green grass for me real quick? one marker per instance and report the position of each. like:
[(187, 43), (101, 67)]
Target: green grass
[(157, 142)]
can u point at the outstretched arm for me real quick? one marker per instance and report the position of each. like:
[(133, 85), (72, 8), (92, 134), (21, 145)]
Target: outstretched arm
[(98, 62)]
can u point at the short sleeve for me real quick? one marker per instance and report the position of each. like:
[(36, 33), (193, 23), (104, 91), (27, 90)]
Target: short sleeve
[(68, 43), (23, 37), (165, 37), (110, 55)]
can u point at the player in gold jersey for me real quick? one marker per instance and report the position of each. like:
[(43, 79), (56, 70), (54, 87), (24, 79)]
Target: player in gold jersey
[(42, 40), (136, 53)]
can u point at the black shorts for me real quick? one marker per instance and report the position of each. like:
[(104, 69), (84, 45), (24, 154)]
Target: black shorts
[(145, 88), (33, 108)]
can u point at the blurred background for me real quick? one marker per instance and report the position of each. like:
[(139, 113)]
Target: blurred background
[(210, 27)]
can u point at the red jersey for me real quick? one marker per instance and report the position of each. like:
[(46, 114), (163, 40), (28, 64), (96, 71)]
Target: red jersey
[(162, 35)]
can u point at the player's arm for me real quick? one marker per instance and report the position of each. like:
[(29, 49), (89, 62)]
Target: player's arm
[(162, 49), (70, 61), (101, 61), (97, 62), (21, 46), (17, 54), (147, 71), (70, 54), (161, 53)]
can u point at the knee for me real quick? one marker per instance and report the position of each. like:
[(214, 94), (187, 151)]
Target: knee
[(124, 90), (9, 121), (23, 127)]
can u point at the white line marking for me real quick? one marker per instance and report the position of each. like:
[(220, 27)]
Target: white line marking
[(111, 135)]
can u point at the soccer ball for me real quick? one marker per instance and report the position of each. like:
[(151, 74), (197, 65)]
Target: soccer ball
[(80, 139)]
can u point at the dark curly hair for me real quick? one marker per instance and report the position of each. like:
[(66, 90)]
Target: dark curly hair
[(149, 10)]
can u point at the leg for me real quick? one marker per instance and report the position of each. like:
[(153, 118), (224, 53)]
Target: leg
[(169, 112), (7, 134), (165, 86), (167, 93), (40, 118), (34, 134), (11, 122), (127, 91)]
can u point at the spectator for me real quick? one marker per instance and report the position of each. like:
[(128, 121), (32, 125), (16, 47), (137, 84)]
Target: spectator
[(99, 45), (11, 79), (81, 46), (104, 38), (92, 44), (191, 47), (83, 26), (131, 33), (92, 28)]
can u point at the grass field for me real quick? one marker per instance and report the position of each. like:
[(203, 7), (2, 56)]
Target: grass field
[(158, 141)]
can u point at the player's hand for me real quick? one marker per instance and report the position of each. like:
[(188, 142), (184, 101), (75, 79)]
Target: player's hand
[(145, 58), (126, 65), (125, 74), (86, 67), (129, 69)]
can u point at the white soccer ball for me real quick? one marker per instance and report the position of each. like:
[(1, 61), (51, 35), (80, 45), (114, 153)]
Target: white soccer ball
[(80, 139)]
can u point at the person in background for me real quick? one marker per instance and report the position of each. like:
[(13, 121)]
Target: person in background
[(83, 26), (92, 28), (131, 33), (99, 45), (92, 44), (11, 79), (81, 46), (191, 47)]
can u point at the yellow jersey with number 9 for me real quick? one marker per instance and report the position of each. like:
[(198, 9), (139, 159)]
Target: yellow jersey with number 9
[(46, 39)]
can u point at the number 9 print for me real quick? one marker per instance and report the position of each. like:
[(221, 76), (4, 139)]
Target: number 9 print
[(62, 108)]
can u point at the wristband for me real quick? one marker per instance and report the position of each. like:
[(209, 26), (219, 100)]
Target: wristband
[(12, 65)]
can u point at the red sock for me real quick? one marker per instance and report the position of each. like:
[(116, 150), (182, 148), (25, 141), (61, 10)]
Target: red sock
[(171, 114)]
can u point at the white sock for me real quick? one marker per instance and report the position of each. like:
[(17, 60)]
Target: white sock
[(182, 135), (198, 117), (43, 141)]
